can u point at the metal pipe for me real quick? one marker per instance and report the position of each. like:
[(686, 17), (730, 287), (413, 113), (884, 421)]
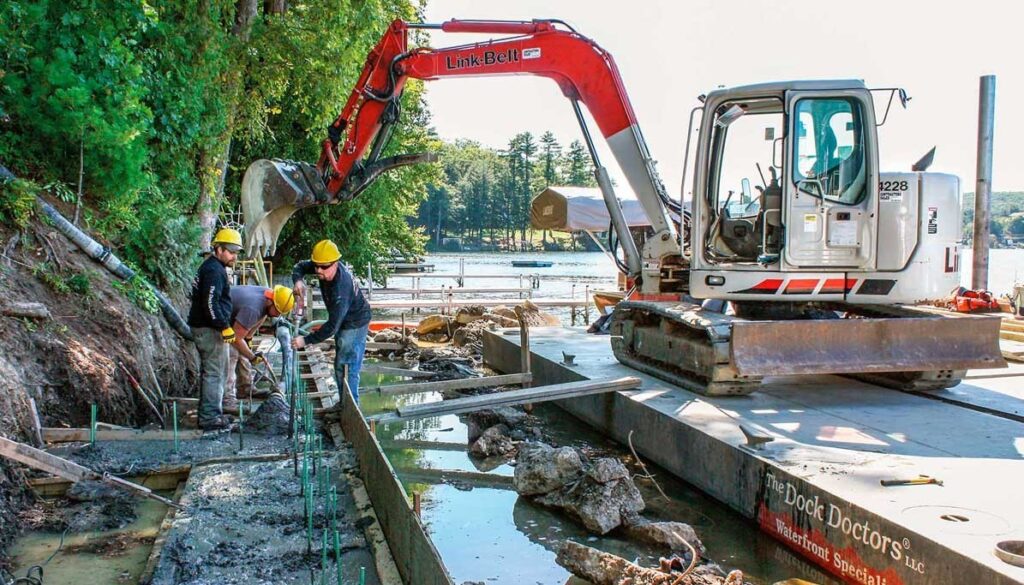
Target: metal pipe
[(633, 263), (983, 186)]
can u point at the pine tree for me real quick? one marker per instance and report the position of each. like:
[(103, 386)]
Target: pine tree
[(579, 167)]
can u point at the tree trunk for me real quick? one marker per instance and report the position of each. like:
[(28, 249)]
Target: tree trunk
[(606, 569), (213, 164)]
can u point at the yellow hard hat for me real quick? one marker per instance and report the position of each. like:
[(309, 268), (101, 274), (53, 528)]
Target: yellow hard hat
[(325, 252), (284, 299), (228, 237)]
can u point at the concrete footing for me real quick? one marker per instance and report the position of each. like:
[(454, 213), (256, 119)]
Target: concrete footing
[(808, 461)]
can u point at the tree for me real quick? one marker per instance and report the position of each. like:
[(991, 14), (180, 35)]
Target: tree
[(579, 166)]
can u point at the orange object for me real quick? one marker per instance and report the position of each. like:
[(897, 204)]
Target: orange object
[(974, 301)]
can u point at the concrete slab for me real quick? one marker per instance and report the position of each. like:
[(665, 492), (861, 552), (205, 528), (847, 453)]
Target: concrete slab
[(815, 486)]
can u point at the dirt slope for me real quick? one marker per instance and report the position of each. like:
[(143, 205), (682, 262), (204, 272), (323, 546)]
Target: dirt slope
[(70, 360)]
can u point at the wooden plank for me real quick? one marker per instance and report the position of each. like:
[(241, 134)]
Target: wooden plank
[(378, 345), (44, 461), (163, 479), (56, 435), (442, 385), (511, 397), (36, 425), (405, 373), (445, 303), (424, 445), (473, 478)]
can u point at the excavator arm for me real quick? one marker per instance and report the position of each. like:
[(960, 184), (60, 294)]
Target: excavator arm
[(350, 158)]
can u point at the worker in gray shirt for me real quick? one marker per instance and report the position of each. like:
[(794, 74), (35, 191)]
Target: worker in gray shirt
[(250, 307)]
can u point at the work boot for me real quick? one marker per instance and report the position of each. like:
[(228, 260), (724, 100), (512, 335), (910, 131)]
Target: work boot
[(229, 402), (220, 423)]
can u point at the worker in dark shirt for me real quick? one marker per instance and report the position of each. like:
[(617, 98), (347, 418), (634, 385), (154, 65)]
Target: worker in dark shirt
[(210, 319), (347, 308)]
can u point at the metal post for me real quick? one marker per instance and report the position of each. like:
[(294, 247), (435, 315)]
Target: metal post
[(174, 414), (983, 186), (369, 281)]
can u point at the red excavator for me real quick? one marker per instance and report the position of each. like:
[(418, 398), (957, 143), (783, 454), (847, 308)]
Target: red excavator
[(820, 267)]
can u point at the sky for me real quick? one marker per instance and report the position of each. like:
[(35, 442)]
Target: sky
[(669, 52)]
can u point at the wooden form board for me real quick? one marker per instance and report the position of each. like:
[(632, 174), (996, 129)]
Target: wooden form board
[(511, 397), (56, 435)]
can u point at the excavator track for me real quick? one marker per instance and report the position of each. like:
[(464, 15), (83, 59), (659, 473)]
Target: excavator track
[(714, 354)]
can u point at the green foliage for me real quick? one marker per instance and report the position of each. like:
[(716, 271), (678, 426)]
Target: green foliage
[(486, 193), (162, 242), (63, 281), (140, 293), (17, 201), (1006, 212), (147, 98)]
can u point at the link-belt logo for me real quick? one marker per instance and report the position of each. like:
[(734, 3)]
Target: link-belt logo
[(453, 62)]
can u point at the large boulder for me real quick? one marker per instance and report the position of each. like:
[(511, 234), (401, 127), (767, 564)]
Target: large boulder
[(541, 468), (601, 506), (668, 534), (466, 315), (433, 324)]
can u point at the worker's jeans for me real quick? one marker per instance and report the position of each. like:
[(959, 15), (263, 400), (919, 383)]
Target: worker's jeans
[(213, 363), (349, 347)]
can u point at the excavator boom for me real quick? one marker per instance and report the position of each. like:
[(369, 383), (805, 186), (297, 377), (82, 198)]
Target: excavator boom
[(350, 157)]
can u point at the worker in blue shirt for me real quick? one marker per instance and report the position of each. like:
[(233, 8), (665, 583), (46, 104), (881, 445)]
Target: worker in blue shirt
[(347, 308)]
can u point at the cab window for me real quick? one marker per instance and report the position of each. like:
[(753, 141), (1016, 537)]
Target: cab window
[(828, 152)]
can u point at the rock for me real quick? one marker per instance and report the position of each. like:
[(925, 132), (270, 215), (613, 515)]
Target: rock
[(606, 469), (433, 324), (466, 315), (503, 311), (28, 310), (668, 534), (472, 333), (494, 441), (535, 317), (388, 336), (541, 468), (601, 507), (501, 321)]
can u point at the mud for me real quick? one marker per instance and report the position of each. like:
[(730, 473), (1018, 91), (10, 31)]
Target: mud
[(245, 523), (271, 418), (137, 457)]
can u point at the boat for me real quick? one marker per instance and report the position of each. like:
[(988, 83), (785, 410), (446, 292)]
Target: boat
[(532, 263)]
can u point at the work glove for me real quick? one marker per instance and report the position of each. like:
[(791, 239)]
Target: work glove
[(258, 358), (228, 335)]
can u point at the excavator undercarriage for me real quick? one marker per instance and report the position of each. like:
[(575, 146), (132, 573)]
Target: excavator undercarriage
[(718, 354)]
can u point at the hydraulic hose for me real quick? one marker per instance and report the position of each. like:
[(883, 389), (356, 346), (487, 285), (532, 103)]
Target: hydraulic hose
[(283, 332)]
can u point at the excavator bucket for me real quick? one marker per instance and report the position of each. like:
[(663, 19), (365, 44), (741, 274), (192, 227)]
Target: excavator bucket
[(272, 190)]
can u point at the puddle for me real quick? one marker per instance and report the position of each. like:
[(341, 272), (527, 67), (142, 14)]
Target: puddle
[(491, 535), (93, 558)]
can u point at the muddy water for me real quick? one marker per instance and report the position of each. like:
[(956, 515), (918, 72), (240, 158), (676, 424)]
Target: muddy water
[(491, 535), (93, 558)]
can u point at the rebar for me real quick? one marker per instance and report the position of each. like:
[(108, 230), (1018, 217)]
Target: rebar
[(241, 425), (92, 423), (174, 416), (337, 556), (362, 575), (323, 559)]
